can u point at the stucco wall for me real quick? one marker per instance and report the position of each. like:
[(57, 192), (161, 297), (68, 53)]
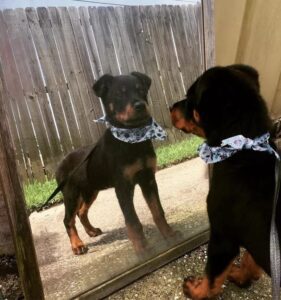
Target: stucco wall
[(249, 31)]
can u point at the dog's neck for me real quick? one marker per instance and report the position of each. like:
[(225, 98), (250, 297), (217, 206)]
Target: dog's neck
[(152, 131), (232, 145)]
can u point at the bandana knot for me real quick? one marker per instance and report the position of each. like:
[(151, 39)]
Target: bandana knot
[(232, 145), (151, 131)]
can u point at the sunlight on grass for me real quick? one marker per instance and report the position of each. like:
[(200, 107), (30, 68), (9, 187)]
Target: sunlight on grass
[(38, 192)]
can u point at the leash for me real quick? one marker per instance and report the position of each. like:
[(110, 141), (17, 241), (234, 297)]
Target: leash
[(63, 183), (275, 264)]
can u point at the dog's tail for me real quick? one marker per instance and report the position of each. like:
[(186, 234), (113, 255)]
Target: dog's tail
[(54, 193), (63, 183)]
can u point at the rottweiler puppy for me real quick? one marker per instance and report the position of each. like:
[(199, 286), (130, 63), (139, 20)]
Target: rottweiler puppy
[(114, 163), (224, 102)]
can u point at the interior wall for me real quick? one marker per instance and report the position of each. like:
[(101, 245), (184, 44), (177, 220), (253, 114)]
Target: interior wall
[(249, 31)]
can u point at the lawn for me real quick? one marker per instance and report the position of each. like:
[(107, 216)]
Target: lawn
[(38, 192)]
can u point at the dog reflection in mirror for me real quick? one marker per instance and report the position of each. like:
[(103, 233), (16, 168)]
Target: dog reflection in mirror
[(225, 102), (117, 160)]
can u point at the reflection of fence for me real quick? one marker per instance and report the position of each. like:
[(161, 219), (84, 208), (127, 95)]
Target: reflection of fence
[(51, 57)]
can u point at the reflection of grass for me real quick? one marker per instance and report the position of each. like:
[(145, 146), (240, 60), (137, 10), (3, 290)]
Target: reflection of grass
[(178, 152), (38, 192)]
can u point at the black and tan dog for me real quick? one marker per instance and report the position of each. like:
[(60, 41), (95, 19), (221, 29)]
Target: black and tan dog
[(222, 103), (114, 163)]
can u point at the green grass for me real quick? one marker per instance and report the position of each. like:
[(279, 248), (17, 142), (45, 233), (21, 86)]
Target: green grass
[(37, 193), (178, 152)]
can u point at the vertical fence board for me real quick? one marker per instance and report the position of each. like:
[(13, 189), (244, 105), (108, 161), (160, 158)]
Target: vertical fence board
[(17, 35), (103, 41), (14, 85), (63, 107), (144, 43), (117, 40), (118, 13), (67, 48), (47, 138), (62, 144), (209, 32), (91, 101)]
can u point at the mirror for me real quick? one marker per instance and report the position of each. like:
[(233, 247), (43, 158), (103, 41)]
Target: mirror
[(51, 57)]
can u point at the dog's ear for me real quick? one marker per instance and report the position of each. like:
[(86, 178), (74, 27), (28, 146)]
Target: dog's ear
[(248, 71), (146, 81), (100, 87)]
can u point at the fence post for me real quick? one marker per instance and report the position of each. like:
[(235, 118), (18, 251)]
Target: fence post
[(14, 200)]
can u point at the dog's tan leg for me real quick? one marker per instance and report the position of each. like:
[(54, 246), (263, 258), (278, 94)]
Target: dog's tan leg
[(83, 216), (77, 245), (244, 274), (201, 288)]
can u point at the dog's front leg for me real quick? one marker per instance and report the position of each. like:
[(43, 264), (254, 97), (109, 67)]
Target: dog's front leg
[(149, 189), (221, 253), (125, 192)]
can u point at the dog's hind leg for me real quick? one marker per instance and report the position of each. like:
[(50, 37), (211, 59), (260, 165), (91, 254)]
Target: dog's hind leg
[(246, 273), (83, 215), (72, 203)]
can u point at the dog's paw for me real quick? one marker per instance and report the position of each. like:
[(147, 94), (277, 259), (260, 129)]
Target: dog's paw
[(140, 247), (94, 232), (240, 277), (174, 237), (79, 249), (197, 288)]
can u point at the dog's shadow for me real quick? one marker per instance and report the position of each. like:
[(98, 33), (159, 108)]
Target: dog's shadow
[(120, 234)]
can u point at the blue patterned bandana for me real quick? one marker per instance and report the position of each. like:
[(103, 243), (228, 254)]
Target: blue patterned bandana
[(152, 131), (232, 145)]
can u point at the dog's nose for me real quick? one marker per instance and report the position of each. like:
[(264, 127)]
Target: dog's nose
[(139, 106)]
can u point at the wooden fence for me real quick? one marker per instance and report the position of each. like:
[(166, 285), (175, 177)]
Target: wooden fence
[(51, 57)]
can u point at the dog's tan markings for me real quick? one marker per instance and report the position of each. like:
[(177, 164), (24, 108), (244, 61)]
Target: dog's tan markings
[(126, 114), (200, 288), (83, 216), (131, 170), (77, 245), (188, 126), (247, 272)]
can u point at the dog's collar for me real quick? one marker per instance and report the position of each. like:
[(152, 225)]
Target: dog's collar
[(232, 145), (152, 131)]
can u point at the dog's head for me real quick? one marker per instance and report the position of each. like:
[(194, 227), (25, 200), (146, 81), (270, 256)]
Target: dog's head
[(125, 98), (223, 102)]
